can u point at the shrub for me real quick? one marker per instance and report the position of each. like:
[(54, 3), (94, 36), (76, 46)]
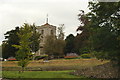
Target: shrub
[(41, 57), (86, 55)]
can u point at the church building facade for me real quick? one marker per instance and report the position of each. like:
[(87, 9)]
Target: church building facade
[(44, 31)]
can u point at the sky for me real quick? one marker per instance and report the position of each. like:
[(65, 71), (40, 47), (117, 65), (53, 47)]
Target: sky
[(17, 12)]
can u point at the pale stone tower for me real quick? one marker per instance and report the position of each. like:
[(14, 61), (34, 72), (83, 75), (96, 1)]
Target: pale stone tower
[(45, 30)]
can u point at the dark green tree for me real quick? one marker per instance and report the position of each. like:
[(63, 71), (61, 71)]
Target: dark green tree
[(82, 43), (11, 39), (69, 48), (105, 29)]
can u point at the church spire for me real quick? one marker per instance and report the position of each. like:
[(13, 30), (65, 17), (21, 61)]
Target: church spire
[(47, 19)]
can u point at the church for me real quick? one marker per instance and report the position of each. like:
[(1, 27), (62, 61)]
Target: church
[(44, 31)]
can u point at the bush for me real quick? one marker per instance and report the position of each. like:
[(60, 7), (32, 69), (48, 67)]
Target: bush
[(70, 57), (41, 57), (84, 50), (86, 55)]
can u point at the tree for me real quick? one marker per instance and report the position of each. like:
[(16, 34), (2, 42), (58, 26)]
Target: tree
[(54, 45), (11, 39), (105, 28), (49, 45), (35, 41), (61, 32), (24, 53), (82, 43), (59, 48), (69, 44)]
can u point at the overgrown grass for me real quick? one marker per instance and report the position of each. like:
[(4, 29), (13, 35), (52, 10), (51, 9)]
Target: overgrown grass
[(54, 65), (38, 74)]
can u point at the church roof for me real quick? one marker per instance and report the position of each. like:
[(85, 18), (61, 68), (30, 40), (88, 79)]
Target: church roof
[(46, 25)]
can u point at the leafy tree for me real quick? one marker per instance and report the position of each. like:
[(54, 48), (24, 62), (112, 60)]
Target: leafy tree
[(105, 28), (82, 39), (49, 45), (0, 50), (69, 44), (24, 52), (59, 48), (54, 45), (11, 39), (35, 41)]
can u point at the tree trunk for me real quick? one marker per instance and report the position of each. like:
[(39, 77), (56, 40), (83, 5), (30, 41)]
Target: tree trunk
[(22, 69)]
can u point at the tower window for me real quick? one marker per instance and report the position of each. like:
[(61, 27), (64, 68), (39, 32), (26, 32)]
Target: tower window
[(42, 31), (51, 32)]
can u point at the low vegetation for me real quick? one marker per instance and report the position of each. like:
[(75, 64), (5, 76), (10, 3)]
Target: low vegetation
[(54, 65), (38, 74)]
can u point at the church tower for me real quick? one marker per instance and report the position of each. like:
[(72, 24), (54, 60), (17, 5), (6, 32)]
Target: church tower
[(44, 31)]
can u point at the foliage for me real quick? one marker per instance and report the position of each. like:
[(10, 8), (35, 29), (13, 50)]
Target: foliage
[(35, 41), (105, 28), (24, 52), (69, 44), (84, 50), (23, 63), (49, 45), (11, 39), (88, 55), (41, 57), (82, 39), (54, 46), (59, 48)]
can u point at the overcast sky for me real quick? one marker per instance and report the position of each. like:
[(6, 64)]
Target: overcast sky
[(15, 12)]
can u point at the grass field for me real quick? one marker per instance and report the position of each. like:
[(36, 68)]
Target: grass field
[(54, 65), (52, 69), (38, 74)]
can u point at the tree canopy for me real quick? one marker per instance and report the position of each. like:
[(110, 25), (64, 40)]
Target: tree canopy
[(105, 28)]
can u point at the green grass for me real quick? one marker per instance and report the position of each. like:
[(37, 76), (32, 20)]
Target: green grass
[(38, 74)]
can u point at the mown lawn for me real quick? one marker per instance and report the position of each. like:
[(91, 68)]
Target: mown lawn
[(38, 74)]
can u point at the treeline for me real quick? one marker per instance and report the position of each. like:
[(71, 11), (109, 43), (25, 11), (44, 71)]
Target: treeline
[(100, 31), (12, 38)]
